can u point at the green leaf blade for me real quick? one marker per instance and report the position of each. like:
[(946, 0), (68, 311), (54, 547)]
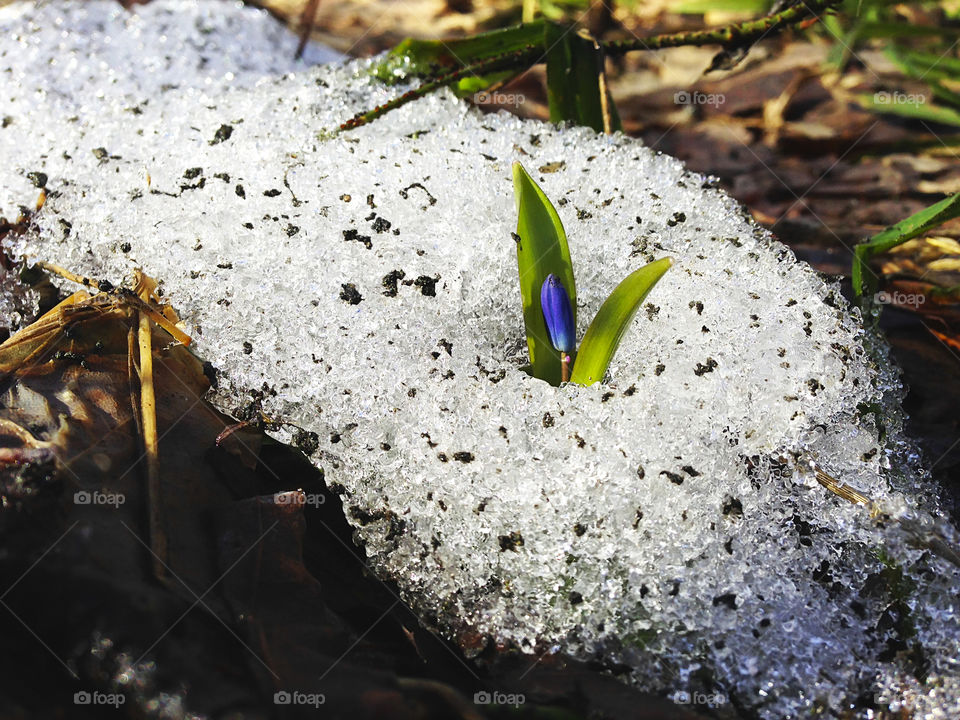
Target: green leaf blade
[(924, 66), (873, 29), (542, 250), (428, 58), (864, 281), (615, 315), (574, 67), (702, 7), (915, 110)]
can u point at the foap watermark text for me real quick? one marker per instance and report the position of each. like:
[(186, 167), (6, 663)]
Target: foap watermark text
[(300, 498), (295, 697), (84, 697), (885, 97), (713, 700), (499, 98), (499, 698), (686, 97), (895, 297), (96, 497)]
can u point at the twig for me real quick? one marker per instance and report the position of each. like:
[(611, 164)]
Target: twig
[(521, 58), (307, 18), (730, 36)]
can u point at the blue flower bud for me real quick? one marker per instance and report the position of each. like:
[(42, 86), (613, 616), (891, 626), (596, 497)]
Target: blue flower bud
[(558, 314)]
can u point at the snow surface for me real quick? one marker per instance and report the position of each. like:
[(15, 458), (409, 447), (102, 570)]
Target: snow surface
[(362, 287)]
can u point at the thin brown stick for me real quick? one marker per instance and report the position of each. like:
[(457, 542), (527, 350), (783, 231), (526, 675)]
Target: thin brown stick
[(231, 429), (741, 34), (144, 292), (64, 273), (841, 489), (604, 93), (133, 374), (307, 19), (138, 301), (148, 415), (179, 335)]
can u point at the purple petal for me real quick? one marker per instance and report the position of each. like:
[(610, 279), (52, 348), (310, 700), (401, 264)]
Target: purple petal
[(558, 314)]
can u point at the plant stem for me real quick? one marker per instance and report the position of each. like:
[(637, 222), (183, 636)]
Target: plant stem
[(734, 35), (529, 11), (521, 58)]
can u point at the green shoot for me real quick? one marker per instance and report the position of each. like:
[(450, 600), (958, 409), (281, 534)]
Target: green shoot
[(548, 292)]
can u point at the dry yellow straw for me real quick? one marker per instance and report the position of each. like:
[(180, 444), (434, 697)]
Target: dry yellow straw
[(148, 414)]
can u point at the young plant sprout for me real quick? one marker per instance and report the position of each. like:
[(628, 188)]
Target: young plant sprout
[(549, 294)]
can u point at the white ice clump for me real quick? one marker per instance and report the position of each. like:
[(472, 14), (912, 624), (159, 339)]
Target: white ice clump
[(18, 302), (363, 287)]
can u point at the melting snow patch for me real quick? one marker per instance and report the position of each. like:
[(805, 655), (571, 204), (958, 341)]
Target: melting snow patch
[(362, 287)]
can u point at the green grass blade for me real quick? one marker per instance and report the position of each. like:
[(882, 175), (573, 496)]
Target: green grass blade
[(561, 92), (914, 110), (427, 58), (945, 95), (931, 68), (924, 66), (573, 79), (864, 281), (702, 7), (604, 334), (475, 84), (542, 250), (589, 65), (842, 52), (903, 30)]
